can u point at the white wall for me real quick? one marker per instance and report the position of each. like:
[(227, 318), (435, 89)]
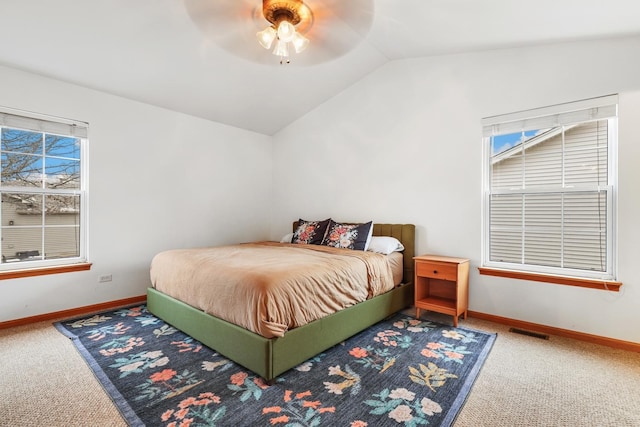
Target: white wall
[(157, 180), (404, 145), (401, 145)]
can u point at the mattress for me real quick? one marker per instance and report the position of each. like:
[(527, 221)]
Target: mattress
[(269, 288)]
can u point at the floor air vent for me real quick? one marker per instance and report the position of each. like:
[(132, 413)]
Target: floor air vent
[(529, 333)]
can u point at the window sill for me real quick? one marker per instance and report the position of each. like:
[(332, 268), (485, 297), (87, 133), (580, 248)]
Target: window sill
[(16, 274), (606, 285)]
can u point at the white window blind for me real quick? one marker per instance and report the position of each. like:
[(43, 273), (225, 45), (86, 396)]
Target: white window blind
[(39, 123), (550, 189)]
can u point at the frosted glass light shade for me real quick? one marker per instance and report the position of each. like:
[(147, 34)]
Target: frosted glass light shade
[(299, 42), (266, 37), (286, 31), (281, 49)]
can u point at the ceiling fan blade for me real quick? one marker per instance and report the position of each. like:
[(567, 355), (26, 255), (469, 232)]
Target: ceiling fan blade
[(231, 25), (337, 27), (356, 14)]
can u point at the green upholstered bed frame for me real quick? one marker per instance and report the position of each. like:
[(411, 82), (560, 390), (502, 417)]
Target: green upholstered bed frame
[(270, 357)]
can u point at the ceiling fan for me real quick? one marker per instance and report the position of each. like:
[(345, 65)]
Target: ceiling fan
[(257, 30)]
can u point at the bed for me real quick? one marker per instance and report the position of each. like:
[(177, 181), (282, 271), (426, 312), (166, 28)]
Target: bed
[(269, 357)]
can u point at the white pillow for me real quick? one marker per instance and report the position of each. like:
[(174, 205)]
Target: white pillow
[(385, 245), (369, 236), (286, 238)]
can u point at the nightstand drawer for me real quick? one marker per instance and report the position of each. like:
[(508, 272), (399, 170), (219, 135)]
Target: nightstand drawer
[(437, 271)]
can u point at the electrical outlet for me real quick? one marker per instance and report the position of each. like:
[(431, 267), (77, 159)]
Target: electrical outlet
[(105, 278)]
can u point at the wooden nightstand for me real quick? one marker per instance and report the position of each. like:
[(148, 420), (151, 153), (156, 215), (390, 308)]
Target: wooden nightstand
[(442, 285)]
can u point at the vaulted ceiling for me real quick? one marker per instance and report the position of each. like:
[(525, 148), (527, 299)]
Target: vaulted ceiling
[(159, 51)]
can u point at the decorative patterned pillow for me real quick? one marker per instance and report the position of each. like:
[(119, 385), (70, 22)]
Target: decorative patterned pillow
[(310, 232), (348, 236)]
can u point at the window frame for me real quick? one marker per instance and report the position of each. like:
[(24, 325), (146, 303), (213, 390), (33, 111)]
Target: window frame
[(50, 125), (578, 277)]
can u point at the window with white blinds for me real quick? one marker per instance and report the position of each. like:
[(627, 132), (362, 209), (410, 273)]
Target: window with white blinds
[(550, 189)]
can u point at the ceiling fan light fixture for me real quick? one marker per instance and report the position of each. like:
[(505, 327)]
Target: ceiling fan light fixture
[(266, 37), (281, 49), (328, 29), (299, 42), (286, 31), (283, 15)]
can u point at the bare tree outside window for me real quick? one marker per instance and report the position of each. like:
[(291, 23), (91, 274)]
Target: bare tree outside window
[(40, 181)]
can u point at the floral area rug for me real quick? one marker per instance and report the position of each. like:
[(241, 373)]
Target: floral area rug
[(399, 372)]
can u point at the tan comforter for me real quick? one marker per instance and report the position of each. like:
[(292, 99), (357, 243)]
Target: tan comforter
[(270, 287)]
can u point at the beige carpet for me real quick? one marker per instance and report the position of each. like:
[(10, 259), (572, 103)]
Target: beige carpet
[(525, 382)]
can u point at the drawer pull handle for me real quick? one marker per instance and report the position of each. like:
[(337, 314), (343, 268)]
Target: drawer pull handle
[(435, 271)]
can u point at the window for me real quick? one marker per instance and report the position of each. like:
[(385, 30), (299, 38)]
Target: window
[(549, 190), (43, 190)]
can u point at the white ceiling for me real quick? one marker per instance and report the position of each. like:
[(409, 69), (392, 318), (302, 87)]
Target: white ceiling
[(154, 51)]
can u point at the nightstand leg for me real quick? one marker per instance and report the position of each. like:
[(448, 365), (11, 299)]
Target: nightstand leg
[(455, 321), (417, 313)]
